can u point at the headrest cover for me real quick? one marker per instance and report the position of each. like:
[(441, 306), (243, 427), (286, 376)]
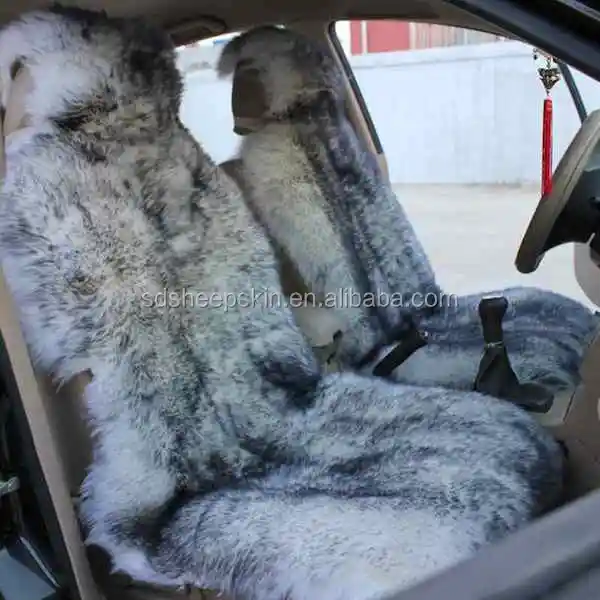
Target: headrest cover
[(248, 100), (277, 71)]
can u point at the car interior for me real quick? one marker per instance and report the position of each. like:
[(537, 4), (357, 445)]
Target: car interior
[(48, 444)]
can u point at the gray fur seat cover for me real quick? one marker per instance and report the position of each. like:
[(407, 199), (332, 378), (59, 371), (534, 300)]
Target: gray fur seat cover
[(222, 456), (322, 196)]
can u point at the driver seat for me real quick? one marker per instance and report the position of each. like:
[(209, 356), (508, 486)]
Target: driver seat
[(54, 418), (316, 190)]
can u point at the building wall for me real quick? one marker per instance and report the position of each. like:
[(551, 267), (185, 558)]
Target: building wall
[(379, 36), (467, 114), (393, 35)]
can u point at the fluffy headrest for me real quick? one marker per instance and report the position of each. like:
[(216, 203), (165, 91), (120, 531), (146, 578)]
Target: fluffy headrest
[(85, 64), (275, 72)]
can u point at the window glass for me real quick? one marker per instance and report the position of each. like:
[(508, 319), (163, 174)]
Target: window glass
[(206, 104), (459, 116)]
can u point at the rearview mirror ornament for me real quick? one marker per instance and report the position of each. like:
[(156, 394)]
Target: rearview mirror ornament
[(549, 75)]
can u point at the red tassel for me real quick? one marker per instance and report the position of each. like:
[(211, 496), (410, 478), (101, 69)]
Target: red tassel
[(547, 148)]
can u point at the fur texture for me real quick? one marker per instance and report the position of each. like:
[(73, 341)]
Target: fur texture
[(323, 198), (223, 457)]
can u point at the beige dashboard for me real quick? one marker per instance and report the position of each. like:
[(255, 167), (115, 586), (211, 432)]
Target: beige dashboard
[(570, 213)]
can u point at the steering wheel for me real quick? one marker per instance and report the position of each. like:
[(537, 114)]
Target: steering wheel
[(571, 211)]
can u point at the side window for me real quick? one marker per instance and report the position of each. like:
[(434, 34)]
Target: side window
[(459, 116), (206, 105)]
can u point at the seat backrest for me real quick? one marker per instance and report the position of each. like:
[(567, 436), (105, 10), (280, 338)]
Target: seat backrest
[(316, 188), (291, 280), (303, 238), (321, 325)]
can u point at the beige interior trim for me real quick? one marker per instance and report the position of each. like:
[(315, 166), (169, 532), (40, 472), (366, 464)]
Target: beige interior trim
[(580, 429), (189, 32), (35, 399), (240, 14)]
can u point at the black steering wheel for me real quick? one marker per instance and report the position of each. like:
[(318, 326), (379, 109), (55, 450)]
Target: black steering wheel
[(571, 211)]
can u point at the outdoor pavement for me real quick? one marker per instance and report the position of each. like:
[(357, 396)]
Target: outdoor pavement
[(472, 234)]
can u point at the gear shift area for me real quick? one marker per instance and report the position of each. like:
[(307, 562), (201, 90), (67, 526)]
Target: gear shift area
[(496, 376)]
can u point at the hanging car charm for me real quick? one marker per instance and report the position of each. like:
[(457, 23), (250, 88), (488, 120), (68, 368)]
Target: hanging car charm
[(549, 75)]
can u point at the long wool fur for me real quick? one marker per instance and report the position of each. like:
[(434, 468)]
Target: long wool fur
[(323, 198), (223, 457)]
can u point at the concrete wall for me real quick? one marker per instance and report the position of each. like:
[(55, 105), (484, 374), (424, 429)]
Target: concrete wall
[(466, 114)]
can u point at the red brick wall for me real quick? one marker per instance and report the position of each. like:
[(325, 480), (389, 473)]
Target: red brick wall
[(389, 36), (381, 36), (356, 45)]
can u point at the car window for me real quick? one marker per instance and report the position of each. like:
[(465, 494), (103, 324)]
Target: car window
[(459, 117), (206, 102)]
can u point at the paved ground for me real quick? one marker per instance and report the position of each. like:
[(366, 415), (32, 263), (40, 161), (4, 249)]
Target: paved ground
[(472, 234)]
